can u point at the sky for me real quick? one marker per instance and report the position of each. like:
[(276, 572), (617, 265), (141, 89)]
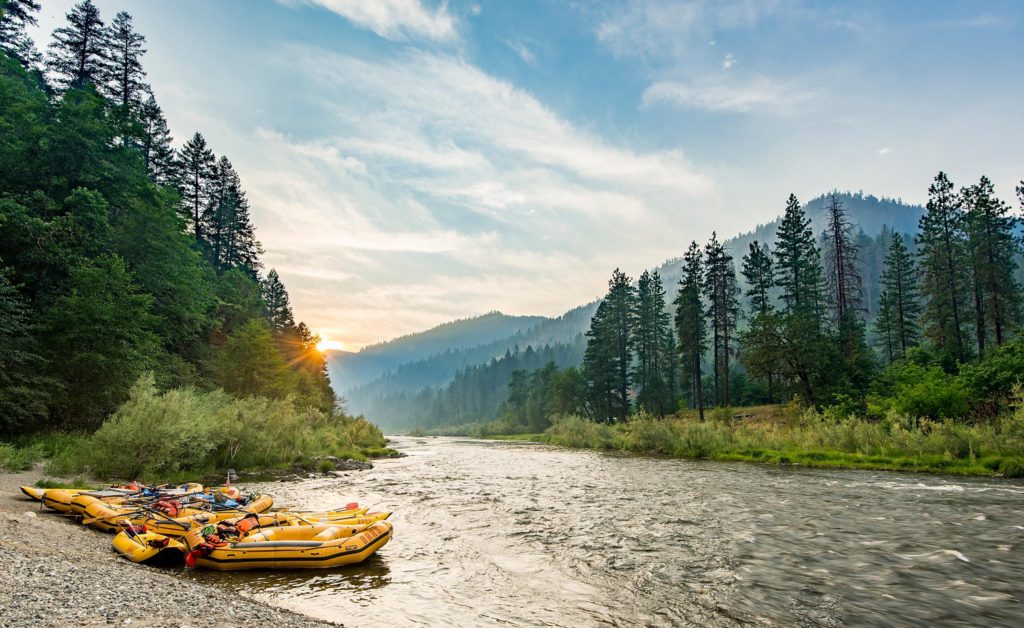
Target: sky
[(410, 162)]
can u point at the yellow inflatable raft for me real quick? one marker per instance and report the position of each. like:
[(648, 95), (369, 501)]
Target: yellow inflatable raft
[(289, 547), (149, 548)]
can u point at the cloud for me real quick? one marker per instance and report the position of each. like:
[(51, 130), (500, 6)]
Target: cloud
[(981, 20), (524, 53), (759, 95), (671, 28), (429, 189), (729, 61), (885, 150), (397, 20)]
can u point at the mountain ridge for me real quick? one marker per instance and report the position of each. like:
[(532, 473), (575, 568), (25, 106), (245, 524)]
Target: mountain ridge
[(871, 214)]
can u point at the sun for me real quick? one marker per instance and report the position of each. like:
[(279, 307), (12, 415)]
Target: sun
[(329, 345)]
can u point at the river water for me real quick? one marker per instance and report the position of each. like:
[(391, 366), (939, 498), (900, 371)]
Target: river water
[(525, 534)]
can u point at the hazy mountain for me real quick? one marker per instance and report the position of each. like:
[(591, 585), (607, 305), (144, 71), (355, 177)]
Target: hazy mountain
[(350, 369), (432, 359)]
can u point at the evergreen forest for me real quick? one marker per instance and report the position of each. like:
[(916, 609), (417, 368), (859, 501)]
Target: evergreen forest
[(133, 302)]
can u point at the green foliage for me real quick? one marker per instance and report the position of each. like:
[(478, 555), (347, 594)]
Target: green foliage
[(918, 390), (155, 435), (98, 339), (13, 458)]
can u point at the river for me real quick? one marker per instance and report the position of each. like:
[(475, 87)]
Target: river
[(526, 534)]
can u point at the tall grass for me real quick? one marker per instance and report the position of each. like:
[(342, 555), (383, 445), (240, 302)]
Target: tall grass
[(817, 439)]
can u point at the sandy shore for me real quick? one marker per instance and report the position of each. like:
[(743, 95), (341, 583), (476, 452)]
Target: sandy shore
[(59, 573)]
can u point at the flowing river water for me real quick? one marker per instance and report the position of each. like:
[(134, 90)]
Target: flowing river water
[(526, 534)]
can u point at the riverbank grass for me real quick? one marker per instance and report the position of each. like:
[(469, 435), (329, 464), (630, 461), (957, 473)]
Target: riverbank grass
[(787, 435)]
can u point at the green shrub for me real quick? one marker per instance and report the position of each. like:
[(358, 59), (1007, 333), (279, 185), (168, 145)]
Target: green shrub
[(14, 458), (920, 391), (166, 435)]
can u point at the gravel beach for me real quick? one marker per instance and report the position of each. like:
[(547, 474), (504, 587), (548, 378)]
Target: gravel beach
[(59, 573)]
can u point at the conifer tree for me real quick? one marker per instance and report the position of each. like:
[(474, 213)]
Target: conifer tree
[(155, 143), (845, 297), (123, 75), (691, 328), (609, 354), (797, 261), (278, 307), (15, 16), (992, 248), (843, 277), (195, 169), (899, 304), (224, 190), (723, 312), (758, 272), (241, 249), (79, 52), (651, 337), (942, 250)]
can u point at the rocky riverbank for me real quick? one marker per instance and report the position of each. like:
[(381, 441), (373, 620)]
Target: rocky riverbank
[(58, 573)]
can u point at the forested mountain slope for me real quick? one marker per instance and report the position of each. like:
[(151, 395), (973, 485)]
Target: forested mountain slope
[(355, 368), (405, 393)]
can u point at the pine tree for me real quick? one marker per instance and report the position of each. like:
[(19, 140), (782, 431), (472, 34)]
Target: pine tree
[(843, 278), (899, 304), (15, 16), (241, 248), (651, 336), (758, 272), (845, 298), (123, 75), (992, 248), (609, 354), (942, 250), (797, 261), (723, 312), (195, 169), (691, 328), (278, 309), (220, 209), (155, 143), (80, 51)]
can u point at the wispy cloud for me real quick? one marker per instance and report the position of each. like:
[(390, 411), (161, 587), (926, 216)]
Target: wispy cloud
[(760, 95), (435, 189), (885, 150), (981, 20), (728, 61), (396, 19), (673, 27), (524, 53)]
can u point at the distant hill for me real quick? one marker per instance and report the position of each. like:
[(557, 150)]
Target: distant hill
[(350, 369), (440, 368), (384, 375)]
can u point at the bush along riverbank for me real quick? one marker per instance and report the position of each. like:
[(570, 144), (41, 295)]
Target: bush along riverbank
[(186, 433), (791, 435)]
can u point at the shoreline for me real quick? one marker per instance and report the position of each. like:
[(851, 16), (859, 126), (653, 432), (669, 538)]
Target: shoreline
[(62, 573), (812, 459)]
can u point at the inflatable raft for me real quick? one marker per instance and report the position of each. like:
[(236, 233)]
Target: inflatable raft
[(288, 547)]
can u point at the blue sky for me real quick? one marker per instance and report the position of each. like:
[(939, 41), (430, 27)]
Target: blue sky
[(410, 161)]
